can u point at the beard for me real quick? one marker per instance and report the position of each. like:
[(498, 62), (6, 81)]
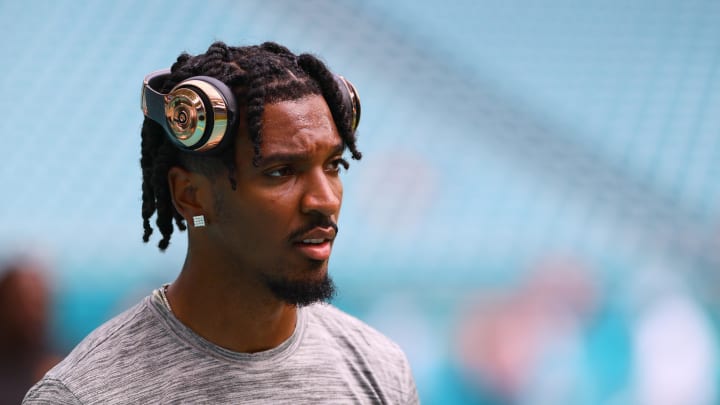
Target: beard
[(301, 293)]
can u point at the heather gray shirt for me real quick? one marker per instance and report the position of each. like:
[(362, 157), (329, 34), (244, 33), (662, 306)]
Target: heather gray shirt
[(146, 356)]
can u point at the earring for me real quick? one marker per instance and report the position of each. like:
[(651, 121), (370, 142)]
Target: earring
[(199, 221)]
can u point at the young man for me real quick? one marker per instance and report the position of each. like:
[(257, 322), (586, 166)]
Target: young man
[(246, 146)]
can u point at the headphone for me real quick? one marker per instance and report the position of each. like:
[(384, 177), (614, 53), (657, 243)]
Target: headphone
[(200, 111)]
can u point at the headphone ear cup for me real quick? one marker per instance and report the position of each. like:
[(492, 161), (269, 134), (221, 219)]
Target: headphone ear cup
[(200, 114), (351, 99)]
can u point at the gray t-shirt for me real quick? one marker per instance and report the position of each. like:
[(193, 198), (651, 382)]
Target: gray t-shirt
[(146, 356)]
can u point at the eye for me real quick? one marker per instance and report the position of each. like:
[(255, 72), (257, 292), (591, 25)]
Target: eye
[(336, 164), (280, 172)]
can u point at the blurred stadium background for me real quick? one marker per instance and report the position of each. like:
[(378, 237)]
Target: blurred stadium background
[(535, 221)]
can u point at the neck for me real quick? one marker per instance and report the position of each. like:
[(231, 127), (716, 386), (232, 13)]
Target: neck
[(229, 310)]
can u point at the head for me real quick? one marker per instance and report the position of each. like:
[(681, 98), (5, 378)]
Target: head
[(272, 183), (24, 305)]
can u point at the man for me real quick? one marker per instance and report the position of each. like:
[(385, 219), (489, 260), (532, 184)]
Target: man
[(246, 146)]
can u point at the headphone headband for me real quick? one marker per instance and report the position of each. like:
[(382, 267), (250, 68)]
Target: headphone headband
[(198, 113)]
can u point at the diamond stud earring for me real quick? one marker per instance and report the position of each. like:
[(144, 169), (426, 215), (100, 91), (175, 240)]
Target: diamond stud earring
[(199, 221)]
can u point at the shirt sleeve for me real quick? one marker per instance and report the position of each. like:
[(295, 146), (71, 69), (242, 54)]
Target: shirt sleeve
[(411, 392), (50, 391)]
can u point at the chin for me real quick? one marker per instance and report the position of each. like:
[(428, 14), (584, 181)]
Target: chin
[(304, 291), (318, 268)]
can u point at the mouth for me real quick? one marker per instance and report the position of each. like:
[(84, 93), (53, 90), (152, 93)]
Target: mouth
[(315, 248), (316, 244)]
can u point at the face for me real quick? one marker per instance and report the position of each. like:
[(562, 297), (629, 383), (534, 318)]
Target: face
[(280, 223)]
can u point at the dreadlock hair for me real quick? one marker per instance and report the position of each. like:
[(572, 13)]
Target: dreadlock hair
[(258, 75)]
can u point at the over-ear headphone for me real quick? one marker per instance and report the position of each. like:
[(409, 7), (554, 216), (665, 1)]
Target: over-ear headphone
[(199, 112)]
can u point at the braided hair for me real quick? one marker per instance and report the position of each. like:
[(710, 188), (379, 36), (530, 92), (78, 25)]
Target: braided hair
[(258, 75)]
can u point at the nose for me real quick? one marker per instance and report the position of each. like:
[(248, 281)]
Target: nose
[(322, 194)]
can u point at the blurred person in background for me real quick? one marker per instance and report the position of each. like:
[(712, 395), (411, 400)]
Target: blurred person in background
[(528, 345), (674, 340), (25, 354), (245, 145)]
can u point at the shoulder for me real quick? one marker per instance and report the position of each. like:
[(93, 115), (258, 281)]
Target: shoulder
[(377, 356), (341, 324), (341, 329), (104, 340), (102, 351), (329, 314)]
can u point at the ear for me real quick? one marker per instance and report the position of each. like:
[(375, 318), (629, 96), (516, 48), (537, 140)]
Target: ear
[(184, 187)]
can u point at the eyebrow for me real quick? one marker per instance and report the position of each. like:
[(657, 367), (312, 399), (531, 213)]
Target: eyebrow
[(296, 157)]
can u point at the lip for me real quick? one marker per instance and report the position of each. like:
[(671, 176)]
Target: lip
[(316, 251)]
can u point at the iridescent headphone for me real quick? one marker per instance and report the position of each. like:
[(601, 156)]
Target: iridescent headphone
[(199, 112)]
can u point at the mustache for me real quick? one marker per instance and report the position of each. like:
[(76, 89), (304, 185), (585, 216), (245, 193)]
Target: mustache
[(323, 222)]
